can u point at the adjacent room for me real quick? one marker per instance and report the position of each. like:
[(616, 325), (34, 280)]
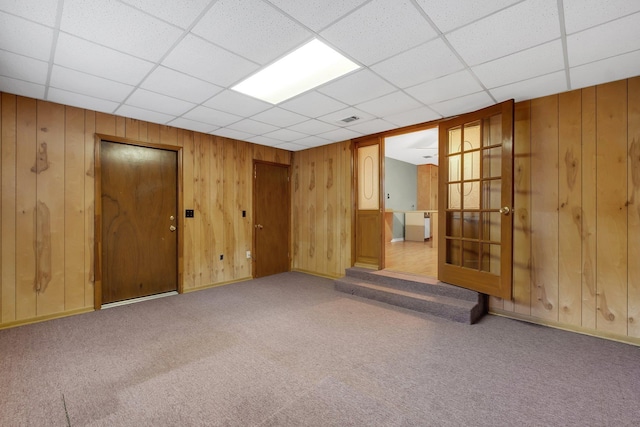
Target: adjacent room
[(354, 212)]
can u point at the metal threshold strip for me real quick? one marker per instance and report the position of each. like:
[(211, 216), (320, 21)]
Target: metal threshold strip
[(135, 300)]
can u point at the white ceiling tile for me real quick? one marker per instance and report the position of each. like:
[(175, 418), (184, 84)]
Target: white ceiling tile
[(285, 135), (81, 55), (372, 126), (254, 30), (539, 60), (291, 146), (448, 87), (380, 29), (419, 115), (20, 87), (357, 87), (340, 135), (420, 64), (604, 41), (193, 125), (43, 12), (313, 141), (448, 18), (211, 116), (237, 103), (582, 14), (81, 101), (532, 88), (313, 127), (178, 12), (23, 68), (607, 70), (142, 114), (317, 14), (210, 63), (252, 126), (279, 117), (25, 38), (312, 104), (519, 27), (161, 103), (386, 105), (263, 140), (86, 84), (179, 85), (120, 27), (336, 117), (233, 134), (464, 104)]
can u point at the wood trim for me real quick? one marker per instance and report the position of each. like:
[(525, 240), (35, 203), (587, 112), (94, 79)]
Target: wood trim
[(45, 318), (97, 296)]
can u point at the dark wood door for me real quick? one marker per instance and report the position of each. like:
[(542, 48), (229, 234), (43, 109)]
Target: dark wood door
[(476, 203), (271, 215), (139, 221)]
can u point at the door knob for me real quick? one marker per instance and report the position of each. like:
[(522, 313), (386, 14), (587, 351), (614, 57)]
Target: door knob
[(171, 218), (505, 210), (259, 226), (172, 228)]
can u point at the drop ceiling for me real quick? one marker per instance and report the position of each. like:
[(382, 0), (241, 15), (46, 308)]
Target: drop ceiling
[(173, 62)]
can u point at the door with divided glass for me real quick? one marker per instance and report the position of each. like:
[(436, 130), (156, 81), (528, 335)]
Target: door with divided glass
[(476, 188)]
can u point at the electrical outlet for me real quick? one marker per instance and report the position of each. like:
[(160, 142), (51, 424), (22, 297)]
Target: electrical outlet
[(248, 254), (221, 257)]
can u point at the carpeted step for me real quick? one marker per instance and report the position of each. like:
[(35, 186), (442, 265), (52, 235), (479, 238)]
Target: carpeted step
[(411, 283), (458, 310)]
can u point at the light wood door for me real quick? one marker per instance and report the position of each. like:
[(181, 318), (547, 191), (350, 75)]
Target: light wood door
[(271, 214), (139, 224), (476, 184), (369, 236)]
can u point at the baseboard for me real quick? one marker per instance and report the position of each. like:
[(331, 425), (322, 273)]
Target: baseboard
[(397, 239), (215, 285), (39, 319), (314, 273), (577, 329)]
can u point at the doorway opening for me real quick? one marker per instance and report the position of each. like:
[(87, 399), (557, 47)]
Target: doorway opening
[(411, 202)]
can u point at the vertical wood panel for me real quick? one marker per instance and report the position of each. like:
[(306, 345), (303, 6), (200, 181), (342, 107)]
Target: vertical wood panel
[(310, 211), (50, 209), (8, 204), (74, 239), (168, 135), (589, 208), (199, 202), (332, 228), (216, 206), (346, 206), (105, 124), (296, 202), (243, 203), (121, 126), (570, 215), (611, 210), (132, 129), (320, 225), (153, 133), (634, 207), (26, 209), (188, 224), (522, 204), (544, 207), (89, 206), (303, 213), (229, 213)]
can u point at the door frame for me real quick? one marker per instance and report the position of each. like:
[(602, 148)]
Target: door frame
[(97, 252), (288, 200)]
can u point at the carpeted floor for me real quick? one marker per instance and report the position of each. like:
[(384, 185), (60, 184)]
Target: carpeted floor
[(288, 350)]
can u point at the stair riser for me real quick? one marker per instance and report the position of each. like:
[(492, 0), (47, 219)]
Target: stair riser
[(422, 288), (457, 314)]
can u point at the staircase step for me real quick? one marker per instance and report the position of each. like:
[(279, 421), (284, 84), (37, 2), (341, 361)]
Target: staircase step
[(458, 310), (411, 283)]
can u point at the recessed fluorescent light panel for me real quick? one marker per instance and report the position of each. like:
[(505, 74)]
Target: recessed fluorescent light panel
[(307, 67)]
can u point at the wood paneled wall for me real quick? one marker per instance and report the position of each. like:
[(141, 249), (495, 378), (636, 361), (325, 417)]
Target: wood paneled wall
[(322, 209), (577, 208), (427, 188), (47, 200)]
